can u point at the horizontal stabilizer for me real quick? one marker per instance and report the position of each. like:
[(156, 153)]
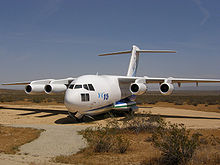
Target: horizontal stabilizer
[(135, 51), (156, 51), (116, 53), (138, 51)]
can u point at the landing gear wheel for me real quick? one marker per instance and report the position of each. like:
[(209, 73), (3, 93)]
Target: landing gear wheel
[(130, 113), (72, 115), (87, 118)]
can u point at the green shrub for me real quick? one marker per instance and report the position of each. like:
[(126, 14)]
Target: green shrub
[(175, 143), (106, 138), (142, 124)]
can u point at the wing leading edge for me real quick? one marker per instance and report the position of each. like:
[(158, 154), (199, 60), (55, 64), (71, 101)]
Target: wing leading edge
[(172, 80), (44, 81)]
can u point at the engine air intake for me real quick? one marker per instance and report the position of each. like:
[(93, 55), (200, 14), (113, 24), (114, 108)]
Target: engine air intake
[(138, 88), (134, 88), (28, 89)]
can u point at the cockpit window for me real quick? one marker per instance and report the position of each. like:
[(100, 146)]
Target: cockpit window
[(71, 86), (91, 88), (85, 86), (88, 87), (78, 86)]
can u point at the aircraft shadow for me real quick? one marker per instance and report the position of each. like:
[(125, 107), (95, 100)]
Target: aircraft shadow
[(66, 120), (177, 116), (32, 111), (189, 117), (69, 120), (145, 107)]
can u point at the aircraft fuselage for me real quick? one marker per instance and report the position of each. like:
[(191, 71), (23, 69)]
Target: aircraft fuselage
[(94, 94)]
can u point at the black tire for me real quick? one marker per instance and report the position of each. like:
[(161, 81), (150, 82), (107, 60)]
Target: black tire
[(72, 115), (86, 118)]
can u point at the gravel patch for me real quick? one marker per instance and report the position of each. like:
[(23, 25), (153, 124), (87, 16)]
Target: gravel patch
[(55, 140)]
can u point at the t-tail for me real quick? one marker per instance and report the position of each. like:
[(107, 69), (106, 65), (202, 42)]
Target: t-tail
[(133, 65)]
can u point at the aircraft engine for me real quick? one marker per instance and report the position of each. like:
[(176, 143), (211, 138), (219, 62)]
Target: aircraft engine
[(166, 89), (34, 88), (138, 88), (54, 88)]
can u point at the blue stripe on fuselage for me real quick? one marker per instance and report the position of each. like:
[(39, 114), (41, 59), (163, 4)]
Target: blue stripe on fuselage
[(111, 105), (107, 106)]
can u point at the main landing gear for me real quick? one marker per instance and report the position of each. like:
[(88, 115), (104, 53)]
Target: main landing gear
[(80, 118)]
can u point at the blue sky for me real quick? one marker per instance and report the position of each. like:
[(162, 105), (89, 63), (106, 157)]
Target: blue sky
[(61, 38)]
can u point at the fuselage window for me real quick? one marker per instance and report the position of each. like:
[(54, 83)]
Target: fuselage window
[(85, 86), (71, 86), (78, 86), (84, 97), (91, 88)]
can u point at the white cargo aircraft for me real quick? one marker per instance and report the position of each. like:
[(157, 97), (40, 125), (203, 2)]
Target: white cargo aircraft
[(89, 95)]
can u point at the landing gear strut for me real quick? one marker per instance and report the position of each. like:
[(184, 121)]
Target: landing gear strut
[(73, 115), (81, 118)]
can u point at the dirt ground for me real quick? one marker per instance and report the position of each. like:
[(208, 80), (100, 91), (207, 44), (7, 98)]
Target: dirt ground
[(55, 118), (57, 115), (199, 107)]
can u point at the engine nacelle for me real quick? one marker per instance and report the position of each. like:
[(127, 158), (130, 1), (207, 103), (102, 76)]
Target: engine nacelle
[(166, 89), (138, 88), (54, 88), (34, 89)]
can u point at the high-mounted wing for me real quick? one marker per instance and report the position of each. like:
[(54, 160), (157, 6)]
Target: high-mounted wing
[(48, 86), (172, 80), (138, 84), (45, 81)]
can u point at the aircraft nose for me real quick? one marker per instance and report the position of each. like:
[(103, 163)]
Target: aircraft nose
[(71, 100)]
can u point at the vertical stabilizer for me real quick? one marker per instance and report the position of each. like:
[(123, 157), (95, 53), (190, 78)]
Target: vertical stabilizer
[(133, 65)]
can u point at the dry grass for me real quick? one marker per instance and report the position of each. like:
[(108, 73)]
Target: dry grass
[(206, 156), (209, 151), (141, 150), (20, 97), (179, 98), (195, 100), (135, 154), (199, 107), (12, 137)]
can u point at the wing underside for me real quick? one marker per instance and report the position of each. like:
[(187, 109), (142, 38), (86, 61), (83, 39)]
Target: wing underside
[(48, 86)]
